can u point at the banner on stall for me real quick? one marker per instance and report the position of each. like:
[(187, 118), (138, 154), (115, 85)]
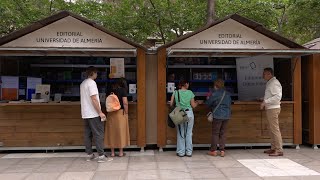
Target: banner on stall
[(251, 85), (9, 87), (31, 86), (117, 68)]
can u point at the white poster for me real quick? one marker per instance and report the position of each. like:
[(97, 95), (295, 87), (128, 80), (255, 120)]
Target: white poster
[(132, 88), (33, 82), (31, 86), (117, 68), (170, 87), (44, 90), (251, 85)]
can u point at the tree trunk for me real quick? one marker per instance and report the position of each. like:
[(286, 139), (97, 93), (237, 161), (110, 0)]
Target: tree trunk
[(210, 11), (51, 1)]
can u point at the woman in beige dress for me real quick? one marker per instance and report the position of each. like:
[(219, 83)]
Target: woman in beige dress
[(117, 125)]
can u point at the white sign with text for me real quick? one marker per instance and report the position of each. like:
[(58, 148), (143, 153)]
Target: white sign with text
[(229, 34), (251, 84), (117, 68), (132, 88), (170, 87), (68, 32)]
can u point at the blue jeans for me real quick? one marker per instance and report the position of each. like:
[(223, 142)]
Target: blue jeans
[(184, 136)]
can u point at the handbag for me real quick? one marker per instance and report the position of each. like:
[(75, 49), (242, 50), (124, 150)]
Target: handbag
[(178, 115), (210, 114), (170, 122)]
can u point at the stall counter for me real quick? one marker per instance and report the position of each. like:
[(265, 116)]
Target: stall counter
[(248, 125), (48, 124)]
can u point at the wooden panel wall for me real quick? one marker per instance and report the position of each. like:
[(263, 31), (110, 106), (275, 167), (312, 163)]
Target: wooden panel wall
[(161, 99), (305, 92), (314, 98), (247, 125), (151, 99), (297, 110), (141, 109), (48, 125)]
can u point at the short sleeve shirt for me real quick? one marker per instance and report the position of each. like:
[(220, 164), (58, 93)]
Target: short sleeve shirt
[(88, 88), (185, 98)]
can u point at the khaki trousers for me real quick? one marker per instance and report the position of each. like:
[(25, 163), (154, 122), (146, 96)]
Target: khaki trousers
[(274, 130)]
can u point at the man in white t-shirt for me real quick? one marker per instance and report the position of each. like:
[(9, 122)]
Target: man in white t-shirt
[(271, 102), (92, 115)]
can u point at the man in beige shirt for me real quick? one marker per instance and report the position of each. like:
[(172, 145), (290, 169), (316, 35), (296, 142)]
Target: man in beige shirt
[(271, 103)]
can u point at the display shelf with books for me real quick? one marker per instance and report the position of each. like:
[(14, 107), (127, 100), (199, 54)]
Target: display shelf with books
[(80, 80), (65, 74), (201, 72), (76, 65)]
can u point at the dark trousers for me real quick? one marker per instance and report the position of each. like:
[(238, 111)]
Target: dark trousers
[(218, 134), (93, 127)]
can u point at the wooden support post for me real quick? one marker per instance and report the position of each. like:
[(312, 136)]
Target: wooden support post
[(141, 98), (297, 110), (314, 98), (162, 99)]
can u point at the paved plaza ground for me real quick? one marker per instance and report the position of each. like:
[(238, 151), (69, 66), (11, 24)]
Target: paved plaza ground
[(252, 164)]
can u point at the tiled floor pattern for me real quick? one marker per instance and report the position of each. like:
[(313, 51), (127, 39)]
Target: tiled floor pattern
[(240, 164)]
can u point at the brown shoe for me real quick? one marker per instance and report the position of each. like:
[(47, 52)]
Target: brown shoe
[(275, 153), (269, 151), (213, 153)]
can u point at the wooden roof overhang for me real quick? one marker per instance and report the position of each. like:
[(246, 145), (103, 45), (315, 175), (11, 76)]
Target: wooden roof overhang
[(96, 52), (238, 52), (293, 49), (65, 51)]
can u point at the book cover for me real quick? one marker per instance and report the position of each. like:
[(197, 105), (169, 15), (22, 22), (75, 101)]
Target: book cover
[(9, 87)]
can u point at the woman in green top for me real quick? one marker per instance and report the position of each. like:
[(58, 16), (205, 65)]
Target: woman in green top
[(184, 131)]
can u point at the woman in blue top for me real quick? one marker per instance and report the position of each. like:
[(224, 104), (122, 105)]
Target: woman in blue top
[(184, 131), (221, 115)]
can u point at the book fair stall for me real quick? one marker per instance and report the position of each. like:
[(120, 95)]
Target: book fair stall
[(41, 68), (310, 95), (236, 50)]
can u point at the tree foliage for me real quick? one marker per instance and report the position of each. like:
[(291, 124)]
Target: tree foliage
[(138, 20)]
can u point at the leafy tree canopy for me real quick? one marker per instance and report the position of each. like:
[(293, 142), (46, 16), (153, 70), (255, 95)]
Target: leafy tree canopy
[(138, 20)]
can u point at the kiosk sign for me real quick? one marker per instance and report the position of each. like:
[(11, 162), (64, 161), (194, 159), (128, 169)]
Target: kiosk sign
[(229, 34), (68, 32), (251, 84), (68, 37), (231, 39)]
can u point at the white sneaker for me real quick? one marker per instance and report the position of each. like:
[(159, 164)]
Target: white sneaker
[(108, 158), (102, 159), (90, 157)]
